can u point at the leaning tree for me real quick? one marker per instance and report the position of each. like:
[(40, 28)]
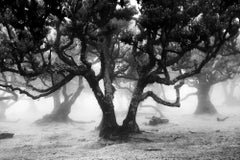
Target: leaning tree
[(38, 31)]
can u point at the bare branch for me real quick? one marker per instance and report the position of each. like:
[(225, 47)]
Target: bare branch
[(162, 101)]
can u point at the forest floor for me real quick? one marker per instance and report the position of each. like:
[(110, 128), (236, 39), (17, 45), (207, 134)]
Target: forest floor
[(184, 137)]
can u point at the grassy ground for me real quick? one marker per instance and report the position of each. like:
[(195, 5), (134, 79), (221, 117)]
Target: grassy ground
[(185, 137)]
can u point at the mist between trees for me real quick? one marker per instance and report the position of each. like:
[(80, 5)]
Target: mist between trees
[(46, 44)]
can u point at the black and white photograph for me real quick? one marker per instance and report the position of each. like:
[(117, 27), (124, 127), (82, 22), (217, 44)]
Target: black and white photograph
[(119, 79)]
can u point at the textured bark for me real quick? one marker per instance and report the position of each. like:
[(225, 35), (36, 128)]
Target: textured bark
[(129, 124), (205, 105), (108, 127)]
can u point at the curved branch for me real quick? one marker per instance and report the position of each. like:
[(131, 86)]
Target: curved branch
[(45, 92), (66, 59), (162, 101)]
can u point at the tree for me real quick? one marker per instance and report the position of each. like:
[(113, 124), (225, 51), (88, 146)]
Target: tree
[(61, 109), (229, 88), (7, 98), (224, 67), (167, 30)]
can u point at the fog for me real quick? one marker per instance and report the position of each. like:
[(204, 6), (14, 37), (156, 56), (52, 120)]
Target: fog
[(186, 134), (86, 108)]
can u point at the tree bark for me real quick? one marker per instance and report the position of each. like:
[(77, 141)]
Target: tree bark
[(204, 105), (108, 127), (129, 124)]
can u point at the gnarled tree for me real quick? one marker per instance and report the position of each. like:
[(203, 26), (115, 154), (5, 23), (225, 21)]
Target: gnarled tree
[(168, 31), (224, 67), (37, 32)]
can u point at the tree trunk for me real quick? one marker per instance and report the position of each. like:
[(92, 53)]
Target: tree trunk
[(56, 102), (129, 124), (205, 105), (230, 99), (61, 114), (3, 108), (108, 126), (60, 111)]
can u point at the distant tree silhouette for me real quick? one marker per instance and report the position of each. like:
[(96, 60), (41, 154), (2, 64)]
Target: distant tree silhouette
[(224, 67)]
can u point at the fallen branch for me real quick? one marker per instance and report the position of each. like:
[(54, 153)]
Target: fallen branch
[(221, 119), (153, 149), (6, 135)]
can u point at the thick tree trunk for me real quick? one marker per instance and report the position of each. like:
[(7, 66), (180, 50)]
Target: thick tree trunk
[(205, 105), (129, 124), (108, 127)]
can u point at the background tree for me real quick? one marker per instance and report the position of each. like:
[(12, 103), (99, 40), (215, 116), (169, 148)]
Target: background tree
[(224, 67), (230, 88), (62, 108), (7, 98)]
